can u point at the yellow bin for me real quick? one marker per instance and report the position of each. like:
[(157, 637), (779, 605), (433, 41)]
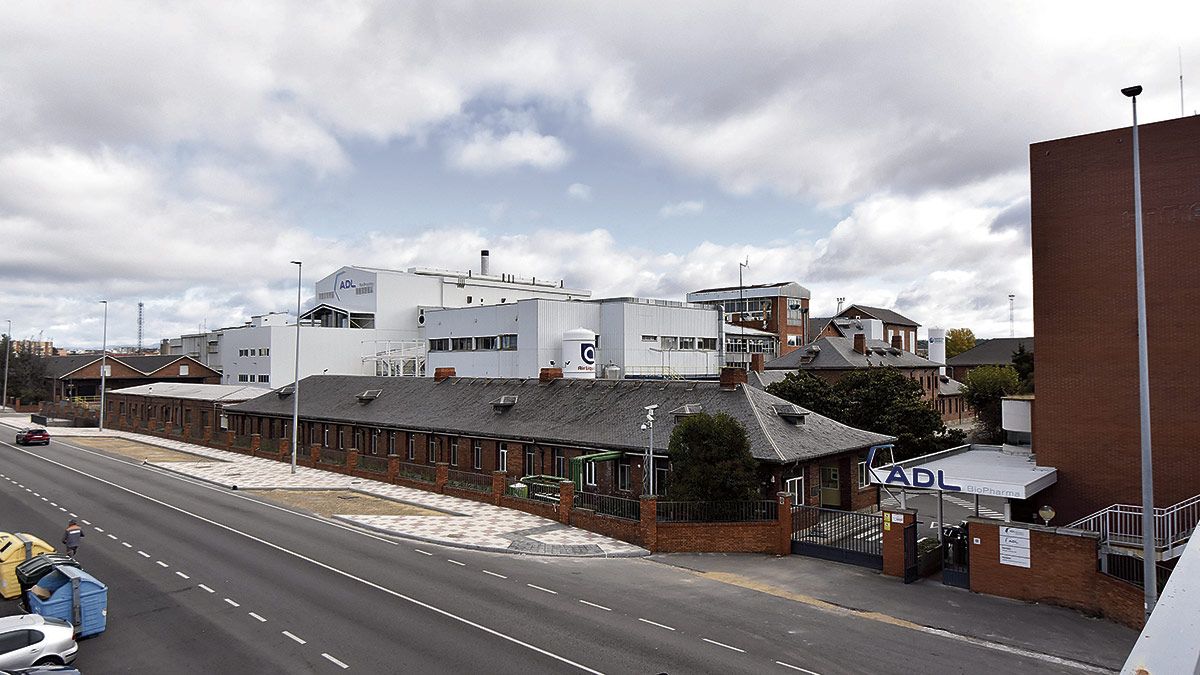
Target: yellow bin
[(14, 550)]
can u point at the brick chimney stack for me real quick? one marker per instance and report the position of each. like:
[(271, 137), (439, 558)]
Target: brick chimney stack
[(732, 376), (440, 374), (757, 362), (860, 343), (897, 341), (548, 374)]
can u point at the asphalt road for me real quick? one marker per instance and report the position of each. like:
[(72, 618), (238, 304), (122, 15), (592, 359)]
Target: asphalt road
[(203, 580)]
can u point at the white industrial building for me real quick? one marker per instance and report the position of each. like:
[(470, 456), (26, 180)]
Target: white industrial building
[(632, 337)]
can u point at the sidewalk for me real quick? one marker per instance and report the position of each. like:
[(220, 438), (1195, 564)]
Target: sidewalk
[(467, 524), (1045, 629)]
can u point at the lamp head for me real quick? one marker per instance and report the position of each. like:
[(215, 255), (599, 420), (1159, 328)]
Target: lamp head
[(297, 262), (1132, 91)]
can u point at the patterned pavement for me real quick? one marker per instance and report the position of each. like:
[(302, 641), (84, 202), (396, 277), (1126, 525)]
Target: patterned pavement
[(467, 524)]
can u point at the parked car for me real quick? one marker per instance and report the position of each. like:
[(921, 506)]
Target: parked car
[(44, 670), (32, 640), (32, 436)]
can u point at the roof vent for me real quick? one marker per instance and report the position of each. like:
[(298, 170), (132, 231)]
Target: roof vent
[(504, 403), (287, 391), (790, 412), (687, 409), (369, 395)]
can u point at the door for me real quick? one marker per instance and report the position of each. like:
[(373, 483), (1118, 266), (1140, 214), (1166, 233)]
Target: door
[(831, 489)]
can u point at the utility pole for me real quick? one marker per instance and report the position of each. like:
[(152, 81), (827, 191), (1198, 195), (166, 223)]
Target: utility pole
[(103, 362), (8, 347), (1012, 331)]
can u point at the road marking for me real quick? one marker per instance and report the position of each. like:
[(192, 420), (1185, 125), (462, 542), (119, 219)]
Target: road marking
[(803, 670), (655, 623), (344, 666), (182, 575), (99, 529), (232, 602), (592, 604), (546, 590), (85, 522), (316, 563), (499, 576), (44, 499), (143, 554), (112, 536), (161, 563), (422, 552), (62, 509), (455, 562), (258, 617), (53, 503), (294, 638), (73, 515), (205, 588), (127, 544), (722, 644), (37, 494)]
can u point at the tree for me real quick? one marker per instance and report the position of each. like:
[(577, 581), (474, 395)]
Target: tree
[(711, 460), (886, 401), (959, 340), (1022, 362), (984, 388), (809, 392), (26, 375)]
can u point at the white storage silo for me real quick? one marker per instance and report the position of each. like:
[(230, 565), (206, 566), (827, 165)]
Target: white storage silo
[(937, 348), (579, 354)]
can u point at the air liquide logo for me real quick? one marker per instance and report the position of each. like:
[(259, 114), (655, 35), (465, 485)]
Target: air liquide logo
[(341, 284), (587, 352)]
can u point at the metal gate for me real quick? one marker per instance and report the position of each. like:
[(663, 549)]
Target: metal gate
[(912, 564), (956, 568), (842, 536)]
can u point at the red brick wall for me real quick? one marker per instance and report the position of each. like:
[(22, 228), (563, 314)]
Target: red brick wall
[(719, 538), (1086, 317), (1062, 571), (893, 540)]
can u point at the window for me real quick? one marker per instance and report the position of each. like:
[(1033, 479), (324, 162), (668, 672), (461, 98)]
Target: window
[(375, 442), (530, 460), (502, 457), (508, 342), (325, 436), (669, 342), (687, 343), (864, 479), (453, 452), (477, 455), (795, 313), (560, 463), (623, 475), (487, 342), (224, 421), (795, 486), (464, 344), (264, 378), (649, 338), (431, 451), (468, 299), (439, 345), (264, 352), (121, 409), (412, 447), (589, 473), (707, 343), (187, 415), (183, 369), (341, 439), (660, 476), (793, 340)]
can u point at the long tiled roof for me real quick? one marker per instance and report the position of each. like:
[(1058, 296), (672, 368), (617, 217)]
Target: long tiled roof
[(884, 315), (837, 353), (993, 352), (585, 413), (58, 366)]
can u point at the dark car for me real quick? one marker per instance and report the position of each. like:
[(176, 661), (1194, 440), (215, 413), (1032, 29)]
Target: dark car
[(32, 436)]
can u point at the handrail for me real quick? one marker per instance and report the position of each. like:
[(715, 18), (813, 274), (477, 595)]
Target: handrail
[(1122, 523)]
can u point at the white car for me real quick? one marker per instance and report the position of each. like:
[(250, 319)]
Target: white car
[(30, 639)]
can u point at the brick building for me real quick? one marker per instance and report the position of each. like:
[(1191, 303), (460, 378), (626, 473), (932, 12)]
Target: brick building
[(1086, 313), (179, 409), (894, 324), (779, 309), (79, 375), (991, 352)]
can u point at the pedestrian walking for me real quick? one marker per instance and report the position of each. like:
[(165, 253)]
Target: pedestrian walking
[(71, 537)]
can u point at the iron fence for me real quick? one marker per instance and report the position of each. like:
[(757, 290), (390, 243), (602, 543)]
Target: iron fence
[(373, 464), (846, 530), (618, 507), (333, 456), (421, 472), (1129, 568), (718, 512), (467, 480), (534, 490)]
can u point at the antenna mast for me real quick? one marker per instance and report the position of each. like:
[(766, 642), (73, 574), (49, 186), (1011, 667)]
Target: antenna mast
[(1011, 325)]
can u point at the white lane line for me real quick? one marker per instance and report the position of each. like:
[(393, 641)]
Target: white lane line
[(422, 552), (317, 563), (498, 576), (455, 562), (655, 623), (44, 499), (85, 522), (99, 529), (73, 515), (53, 503), (205, 588), (37, 494), (335, 661), (258, 617), (143, 554), (161, 563), (127, 544), (232, 602), (303, 642), (545, 590), (803, 670), (62, 509), (592, 604), (722, 644), (112, 536), (182, 575)]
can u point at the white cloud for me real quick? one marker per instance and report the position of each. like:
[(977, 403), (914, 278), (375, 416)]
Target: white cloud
[(677, 209), (580, 191), (485, 152)]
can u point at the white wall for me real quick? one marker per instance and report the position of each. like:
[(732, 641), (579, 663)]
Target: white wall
[(336, 351), (1016, 415)]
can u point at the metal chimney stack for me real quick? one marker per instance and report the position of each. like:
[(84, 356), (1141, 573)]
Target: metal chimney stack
[(484, 267)]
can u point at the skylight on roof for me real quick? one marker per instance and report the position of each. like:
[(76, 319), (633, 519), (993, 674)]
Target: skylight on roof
[(369, 395), (504, 402), (790, 412)]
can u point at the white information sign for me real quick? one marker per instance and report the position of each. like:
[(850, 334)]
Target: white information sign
[(1014, 546)]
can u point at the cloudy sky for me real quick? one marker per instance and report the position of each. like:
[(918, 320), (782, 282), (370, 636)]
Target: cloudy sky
[(180, 154)]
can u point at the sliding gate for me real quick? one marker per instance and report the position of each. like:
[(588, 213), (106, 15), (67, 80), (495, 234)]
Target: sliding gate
[(843, 536)]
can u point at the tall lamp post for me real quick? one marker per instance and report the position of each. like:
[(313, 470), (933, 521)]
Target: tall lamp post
[(7, 351), (1149, 576), (103, 362), (648, 462), (296, 373)]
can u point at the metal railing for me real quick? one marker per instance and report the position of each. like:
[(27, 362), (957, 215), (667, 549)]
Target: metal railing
[(1130, 569), (718, 512), (373, 463), (618, 507), (536, 490), (847, 530), (422, 472), (333, 456), (1121, 525), (477, 482)]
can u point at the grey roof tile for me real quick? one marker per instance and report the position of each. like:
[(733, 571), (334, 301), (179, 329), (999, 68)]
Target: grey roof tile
[(992, 352)]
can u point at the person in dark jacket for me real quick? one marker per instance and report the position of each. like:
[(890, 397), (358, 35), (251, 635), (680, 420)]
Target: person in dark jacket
[(71, 537)]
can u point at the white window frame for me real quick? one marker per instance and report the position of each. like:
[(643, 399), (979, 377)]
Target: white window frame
[(795, 486), (477, 455), (624, 476), (412, 447), (589, 473), (502, 461), (864, 478)]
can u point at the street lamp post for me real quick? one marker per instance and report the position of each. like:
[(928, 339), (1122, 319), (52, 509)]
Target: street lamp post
[(103, 362), (296, 373), (648, 462), (7, 351), (1150, 576)]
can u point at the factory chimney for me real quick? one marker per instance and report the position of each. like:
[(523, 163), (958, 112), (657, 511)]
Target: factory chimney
[(484, 267)]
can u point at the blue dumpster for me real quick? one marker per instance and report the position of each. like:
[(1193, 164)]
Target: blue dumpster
[(74, 595)]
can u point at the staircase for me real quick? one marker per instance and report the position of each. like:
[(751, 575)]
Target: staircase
[(1120, 528)]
